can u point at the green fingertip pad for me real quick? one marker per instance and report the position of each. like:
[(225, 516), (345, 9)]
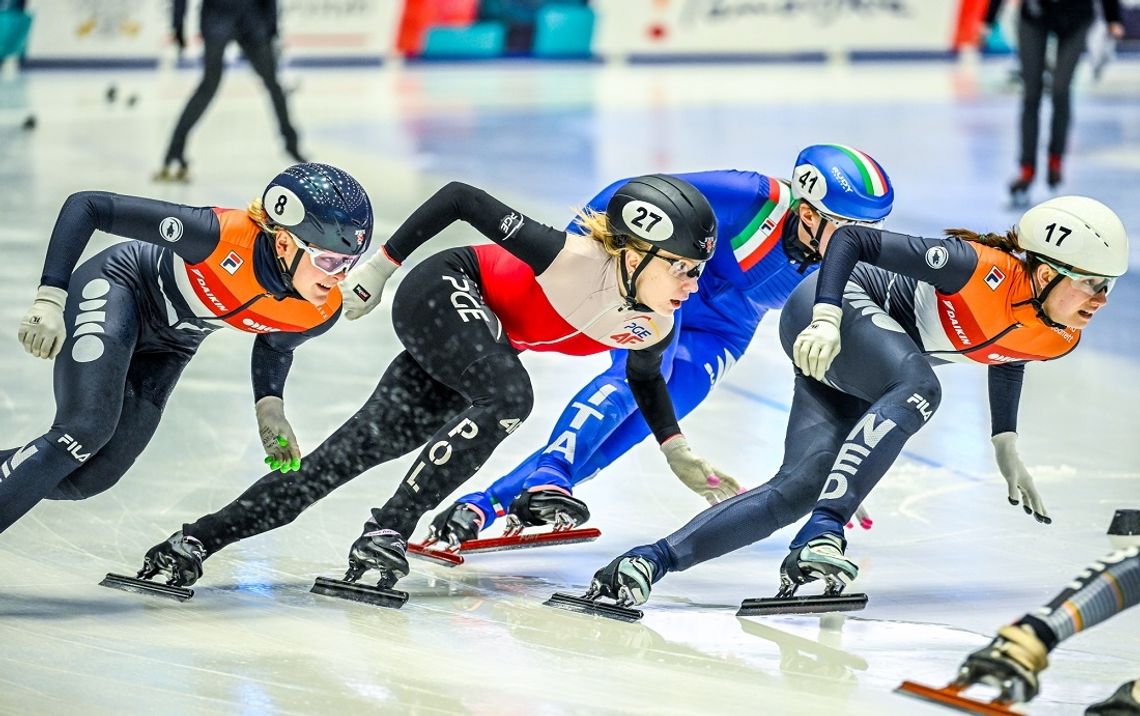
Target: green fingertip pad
[(282, 440)]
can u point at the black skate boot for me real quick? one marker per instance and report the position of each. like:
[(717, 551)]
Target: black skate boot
[(180, 556), (1010, 662), (1019, 188), (627, 580), (458, 524), (380, 549), (821, 558), (1122, 703), (171, 173), (546, 505)]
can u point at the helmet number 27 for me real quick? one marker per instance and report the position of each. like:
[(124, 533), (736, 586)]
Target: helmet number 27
[(643, 214)]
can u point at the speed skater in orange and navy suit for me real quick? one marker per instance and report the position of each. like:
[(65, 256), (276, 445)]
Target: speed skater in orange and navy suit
[(123, 325), (901, 305)]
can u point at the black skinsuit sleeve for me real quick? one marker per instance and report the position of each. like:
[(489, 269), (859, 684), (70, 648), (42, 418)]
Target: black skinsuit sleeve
[(643, 372), (946, 264), (534, 243), (273, 356), (190, 232), (1005, 381)]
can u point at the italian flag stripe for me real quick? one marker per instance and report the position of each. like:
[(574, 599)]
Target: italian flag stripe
[(874, 181), (763, 232), (499, 511)]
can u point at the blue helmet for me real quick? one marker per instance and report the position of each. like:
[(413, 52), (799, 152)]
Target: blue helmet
[(843, 183), (322, 206)]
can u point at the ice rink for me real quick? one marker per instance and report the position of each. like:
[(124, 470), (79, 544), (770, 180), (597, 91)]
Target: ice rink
[(948, 560)]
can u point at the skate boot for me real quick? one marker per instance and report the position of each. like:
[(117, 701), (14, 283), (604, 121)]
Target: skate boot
[(546, 505), (171, 173), (1011, 662), (1053, 177), (180, 556), (459, 524), (1019, 188), (379, 549), (1124, 702), (821, 558), (627, 580)]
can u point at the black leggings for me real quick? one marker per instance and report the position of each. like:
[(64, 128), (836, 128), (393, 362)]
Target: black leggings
[(253, 37), (457, 389), (1031, 42), (113, 376)]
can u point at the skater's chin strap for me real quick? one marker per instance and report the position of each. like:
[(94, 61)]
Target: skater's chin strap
[(1038, 300), (285, 272), (629, 281)]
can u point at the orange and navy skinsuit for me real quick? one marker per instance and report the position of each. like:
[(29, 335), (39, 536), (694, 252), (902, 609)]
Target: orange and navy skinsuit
[(911, 304), (135, 314)]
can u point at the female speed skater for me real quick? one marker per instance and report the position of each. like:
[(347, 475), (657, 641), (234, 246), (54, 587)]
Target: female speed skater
[(458, 388), (914, 303), (775, 228), (124, 324)]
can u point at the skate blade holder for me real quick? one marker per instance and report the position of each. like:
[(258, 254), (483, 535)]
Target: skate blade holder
[(423, 551), (593, 607), (819, 604), (357, 592), (951, 697), (146, 586)]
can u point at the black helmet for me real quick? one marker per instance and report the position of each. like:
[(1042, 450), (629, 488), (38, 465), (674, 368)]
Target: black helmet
[(322, 206), (668, 213)]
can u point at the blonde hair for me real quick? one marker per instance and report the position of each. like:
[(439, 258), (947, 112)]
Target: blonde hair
[(1008, 242), (597, 227), (257, 215)]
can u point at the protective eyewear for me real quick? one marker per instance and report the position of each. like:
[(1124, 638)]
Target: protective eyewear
[(841, 221), (683, 268), (1087, 283), (328, 262)]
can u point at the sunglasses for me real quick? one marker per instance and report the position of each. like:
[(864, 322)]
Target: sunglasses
[(1087, 283), (328, 262)]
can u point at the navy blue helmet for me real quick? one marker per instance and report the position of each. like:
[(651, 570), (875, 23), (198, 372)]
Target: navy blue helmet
[(322, 206)]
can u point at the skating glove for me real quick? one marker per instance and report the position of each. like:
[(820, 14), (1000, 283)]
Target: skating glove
[(1020, 482), (364, 285), (42, 331), (277, 435), (817, 345), (696, 472)]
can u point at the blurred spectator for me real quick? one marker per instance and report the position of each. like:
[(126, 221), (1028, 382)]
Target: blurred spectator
[(1069, 21), (253, 24)]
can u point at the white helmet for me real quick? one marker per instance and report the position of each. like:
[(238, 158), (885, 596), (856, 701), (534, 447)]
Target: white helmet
[(1076, 231)]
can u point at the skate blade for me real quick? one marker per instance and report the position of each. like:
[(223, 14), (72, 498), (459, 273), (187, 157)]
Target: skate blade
[(581, 605), (146, 586), (802, 605), (528, 541), (439, 556), (951, 697), (356, 592)]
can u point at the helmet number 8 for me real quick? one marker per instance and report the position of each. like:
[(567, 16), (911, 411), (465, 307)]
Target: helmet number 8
[(279, 207), (1053, 228)]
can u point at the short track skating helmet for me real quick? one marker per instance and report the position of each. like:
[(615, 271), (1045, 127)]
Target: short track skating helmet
[(1078, 233), (842, 183), (321, 205), (668, 213)]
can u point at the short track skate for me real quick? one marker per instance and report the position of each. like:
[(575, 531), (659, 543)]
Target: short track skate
[(590, 603), (951, 696), (379, 595), (512, 538), (785, 602), (138, 585)]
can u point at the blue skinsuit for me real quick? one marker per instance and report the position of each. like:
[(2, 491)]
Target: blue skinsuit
[(716, 325)]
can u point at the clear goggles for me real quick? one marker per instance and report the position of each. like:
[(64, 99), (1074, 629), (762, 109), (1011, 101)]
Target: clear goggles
[(1087, 283), (843, 221), (328, 262), (683, 268)]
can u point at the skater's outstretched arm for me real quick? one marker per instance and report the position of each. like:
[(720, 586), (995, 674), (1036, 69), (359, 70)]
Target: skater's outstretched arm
[(1005, 380)]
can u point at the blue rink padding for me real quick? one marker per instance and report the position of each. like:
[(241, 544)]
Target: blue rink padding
[(482, 39), (563, 31), (14, 28)]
